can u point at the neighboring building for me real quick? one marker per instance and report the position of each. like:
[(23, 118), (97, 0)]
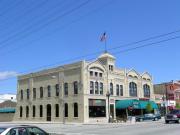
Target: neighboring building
[(168, 91), (77, 92), (4, 97)]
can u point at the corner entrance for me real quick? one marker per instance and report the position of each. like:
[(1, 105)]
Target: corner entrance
[(48, 112)]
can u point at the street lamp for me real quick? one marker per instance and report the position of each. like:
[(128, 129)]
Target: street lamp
[(108, 95)]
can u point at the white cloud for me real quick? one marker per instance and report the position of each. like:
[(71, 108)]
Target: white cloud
[(7, 74)]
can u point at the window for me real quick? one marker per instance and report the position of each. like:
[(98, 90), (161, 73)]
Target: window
[(110, 67), (21, 94), (57, 110), (27, 111), (96, 88), (27, 93), (21, 111), (133, 89), (75, 110), (33, 131), (91, 73), (146, 89), (101, 88), (91, 87), (34, 110), (111, 88), (75, 87), (100, 74), (117, 89), (121, 90), (66, 110), (66, 89), (49, 90), (57, 89), (96, 74), (41, 92), (41, 111), (34, 93)]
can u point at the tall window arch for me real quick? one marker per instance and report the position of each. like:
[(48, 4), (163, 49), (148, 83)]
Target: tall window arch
[(75, 109), (111, 88), (66, 89), (41, 92), (34, 110), (57, 89), (21, 111), (21, 94), (27, 91), (91, 87), (75, 87), (27, 111), (41, 111), (146, 89), (49, 90), (57, 110), (96, 88), (66, 110), (101, 88), (133, 89)]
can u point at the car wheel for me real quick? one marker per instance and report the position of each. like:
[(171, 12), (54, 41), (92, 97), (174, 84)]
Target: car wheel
[(155, 119), (178, 121), (140, 120), (166, 121)]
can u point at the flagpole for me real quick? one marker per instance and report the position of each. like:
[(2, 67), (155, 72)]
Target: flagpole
[(105, 43)]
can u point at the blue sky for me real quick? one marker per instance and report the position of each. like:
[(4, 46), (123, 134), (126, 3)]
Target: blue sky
[(36, 34)]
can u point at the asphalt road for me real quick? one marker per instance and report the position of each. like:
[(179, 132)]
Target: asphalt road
[(143, 128)]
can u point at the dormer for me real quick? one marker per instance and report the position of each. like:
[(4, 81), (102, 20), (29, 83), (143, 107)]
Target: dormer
[(107, 60)]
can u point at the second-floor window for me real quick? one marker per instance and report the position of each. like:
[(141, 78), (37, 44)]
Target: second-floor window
[(117, 90), (91, 87), (66, 89), (41, 92), (49, 90), (34, 93), (121, 90), (57, 89), (146, 89), (133, 89), (111, 88), (96, 88), (75, 87), (21, 94), (101, 89), (27, 93)]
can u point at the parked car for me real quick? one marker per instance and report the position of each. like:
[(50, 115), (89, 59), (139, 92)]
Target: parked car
[(174, 116), (149, 116), (21, 130)]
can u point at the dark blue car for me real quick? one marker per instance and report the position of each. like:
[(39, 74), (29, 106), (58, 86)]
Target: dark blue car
[(149, 116)]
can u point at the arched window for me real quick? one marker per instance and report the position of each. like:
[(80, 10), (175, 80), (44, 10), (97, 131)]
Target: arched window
[(101, 88), (27, 111), (21, 111), (66, 89), (91, 87), (75, 109), (117, 89), (111, 88), (57, 89), (57, 110), (133, 89), (66, 110), (34, 93), (49, 90), (96, 88), (27, 91), (41, 111), (34, 110), (21, 94), (75, 87), (41, 92), (146, 89)]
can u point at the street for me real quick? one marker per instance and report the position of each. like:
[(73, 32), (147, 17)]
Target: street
[(140, 128)]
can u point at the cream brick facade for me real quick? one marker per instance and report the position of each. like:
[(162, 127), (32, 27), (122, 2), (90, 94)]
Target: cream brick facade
[(104, 71)]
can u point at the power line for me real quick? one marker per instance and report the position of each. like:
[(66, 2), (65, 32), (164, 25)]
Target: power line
[(126, 50), (45, 24)]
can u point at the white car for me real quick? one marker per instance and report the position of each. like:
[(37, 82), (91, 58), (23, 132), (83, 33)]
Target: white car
[(21, 130)]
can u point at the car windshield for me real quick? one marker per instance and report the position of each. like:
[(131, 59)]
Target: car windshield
[(2, 130), (174, 112)]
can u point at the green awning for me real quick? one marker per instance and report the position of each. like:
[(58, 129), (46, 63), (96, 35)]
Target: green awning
[(7, 110), (136, 104)]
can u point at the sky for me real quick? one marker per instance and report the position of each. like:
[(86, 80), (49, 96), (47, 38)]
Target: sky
[(41, 34)]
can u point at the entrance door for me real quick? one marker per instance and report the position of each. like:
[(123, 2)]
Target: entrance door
[(112, 110), (48, 112)]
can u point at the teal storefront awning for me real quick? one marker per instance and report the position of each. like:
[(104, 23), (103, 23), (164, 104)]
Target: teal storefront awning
[(136, 104), (7, 110)]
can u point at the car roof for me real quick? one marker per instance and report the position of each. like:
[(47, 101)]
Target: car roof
[(15, 126)]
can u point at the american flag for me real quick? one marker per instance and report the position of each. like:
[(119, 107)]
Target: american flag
[(103, 37)]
